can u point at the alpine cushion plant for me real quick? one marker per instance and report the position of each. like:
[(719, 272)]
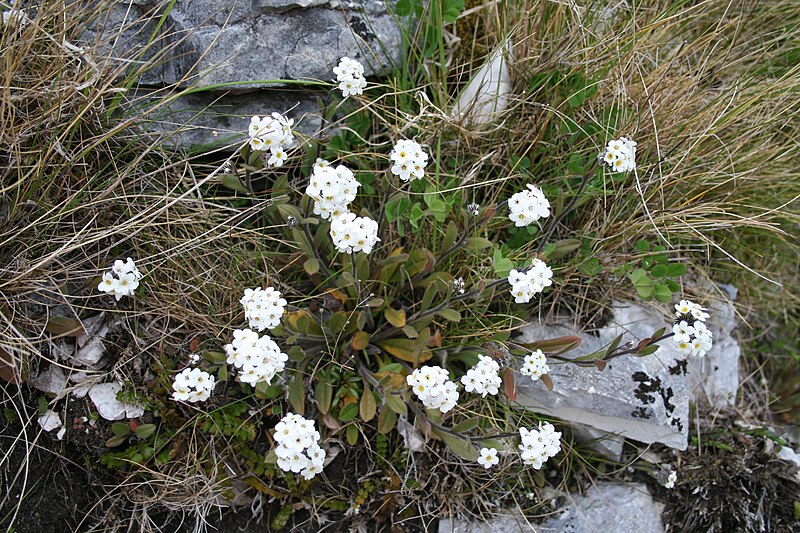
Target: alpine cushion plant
[(374, 324)]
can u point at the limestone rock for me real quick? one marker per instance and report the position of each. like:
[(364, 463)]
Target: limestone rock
[(606, 508), (610, 508), (208, 42), (714, 379), (212, 119), (104, 397), (641, 398)]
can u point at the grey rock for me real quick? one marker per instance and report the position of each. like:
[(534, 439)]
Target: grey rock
[(219, 120), (641, 398), (250, 44), (714, 379), (608, 508)]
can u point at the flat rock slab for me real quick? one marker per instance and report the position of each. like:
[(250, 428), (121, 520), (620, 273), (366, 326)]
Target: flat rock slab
[(248, 43), (221, 120), (640, 398), (606, 508), (609, 508)]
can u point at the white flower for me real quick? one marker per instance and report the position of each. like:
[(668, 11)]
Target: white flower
[(273, 133), (620, 155), (690, 334), (488, 458), (263, 308), (483, 378), (408, 160), (354, 234), (433, 387), (671, 479), (192, 385), (123, 280), (535, 365), (350, 76), (332, 189), (297, 446), (258, 358), (528, 206), (525, 285), (537, 446)]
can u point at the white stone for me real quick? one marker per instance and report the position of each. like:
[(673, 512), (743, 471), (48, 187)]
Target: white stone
[(52, 380), (788, 454), (50, 420), (104, 397), (606, 508), (640, 398)]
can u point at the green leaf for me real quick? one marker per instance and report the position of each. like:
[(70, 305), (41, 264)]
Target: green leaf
[(396, 404), (386, 421), (348, 412), (647, 350), (395, 317), (410, 332), (232, 182), (450, 235), (145, 430), (360, 340), (459, 446), (614, 344), (449, 314), (477, 244), (451, 10), (638, 275), (324, 394), (311, 265), (676, 270), (121, 429), (367, 406), (351, 433), (663, 294), (642, 245), (645, 292), (673, 286), (297, 393), (467, 425), (659, 271), (562, 248)]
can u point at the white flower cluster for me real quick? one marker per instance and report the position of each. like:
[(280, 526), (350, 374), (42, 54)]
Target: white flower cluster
[(263, 308), (274, 134), (257, 358), (354, 234), (483, 378), (620, 155), (528, 206), (690, 334), (539, 445), (298, 447), (350, 75), (123, 279), (488, 457), (192, 385), (433, 387), (525, 285), (408, 160), (535, 365), (332, 189)]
